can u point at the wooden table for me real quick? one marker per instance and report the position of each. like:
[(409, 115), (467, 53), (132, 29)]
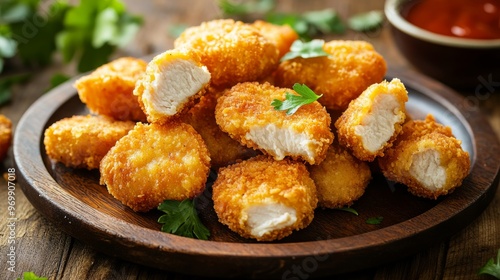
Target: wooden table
[(49, 252)]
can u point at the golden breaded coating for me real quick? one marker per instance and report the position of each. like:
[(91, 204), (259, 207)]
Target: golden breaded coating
[(173, 81), (245, 112), (340, 179), (82, 141), (233, 51), (427, 158), (108, 90), (282, 36), (341, 77), (264, 199), (223, 149), (5, 136), (154, 163), (373, 120)]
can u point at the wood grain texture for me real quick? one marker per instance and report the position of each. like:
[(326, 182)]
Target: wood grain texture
[(67, 258)]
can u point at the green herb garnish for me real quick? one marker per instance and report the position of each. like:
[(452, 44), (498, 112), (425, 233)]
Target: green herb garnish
[(374, 220), (350, 210), (310, 49), (293, 102), (366, 21), (182, 219), (229, 7), (492, 268), (31, 276)]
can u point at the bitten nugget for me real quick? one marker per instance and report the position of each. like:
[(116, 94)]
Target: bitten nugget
[(223, 149), (82, 141), (427, 158), (5, 136), (154, 163), (340, 179), (245, 112), (341, 77), (373, 120), (265, 199), (108, 90), (173, 81), (282, 36), (233, 51)]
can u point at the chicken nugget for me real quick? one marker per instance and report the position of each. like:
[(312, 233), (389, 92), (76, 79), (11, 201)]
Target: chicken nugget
[(223, 149), (5, 136), (282, 36), (265, 199), (154, 163), (427, 158), (373, 120), (173, 81), (233, 51), (340, 179), (341, 77), (108, 90), (82, 141), (245, 112)]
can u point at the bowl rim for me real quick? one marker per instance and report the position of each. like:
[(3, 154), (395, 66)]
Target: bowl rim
[(398, 21)]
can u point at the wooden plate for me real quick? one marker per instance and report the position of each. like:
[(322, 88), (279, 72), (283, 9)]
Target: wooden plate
[(335, 242)]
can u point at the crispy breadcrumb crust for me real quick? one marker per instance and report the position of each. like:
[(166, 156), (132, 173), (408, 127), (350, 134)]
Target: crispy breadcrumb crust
[(232, 51), (341, 77), (340, 179), (248, 105), (5, 136), (282, 36), (422, 135), (223, 149), (108, 90), (360, 108), (145, 84), (154, 163), (82, 141), (261, 180)]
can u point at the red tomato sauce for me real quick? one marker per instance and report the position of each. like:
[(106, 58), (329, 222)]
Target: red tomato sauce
[(474, 19)]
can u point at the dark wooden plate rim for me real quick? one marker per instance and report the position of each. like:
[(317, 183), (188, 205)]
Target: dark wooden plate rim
[(176, 253)]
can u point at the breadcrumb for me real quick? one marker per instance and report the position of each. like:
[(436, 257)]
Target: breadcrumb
[(245, 112), (282, 36), (265, 199), (154, 163), (108, 90), (82, 141)]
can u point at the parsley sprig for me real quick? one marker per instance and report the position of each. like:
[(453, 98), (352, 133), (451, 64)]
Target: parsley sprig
[(309, 49), (491, 267), (293, 102), (181, 218), (375, 220), (366, 21)]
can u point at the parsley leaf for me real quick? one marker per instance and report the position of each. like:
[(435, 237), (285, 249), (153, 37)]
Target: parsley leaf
[(310, 49), (374, 220), (293, 102), (57, 80), (491, 267), (176, 30), (366, 21), (31, 276), (229, 7), (182, 219)]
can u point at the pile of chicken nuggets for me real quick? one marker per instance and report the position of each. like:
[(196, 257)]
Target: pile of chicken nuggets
[(158, 128)]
